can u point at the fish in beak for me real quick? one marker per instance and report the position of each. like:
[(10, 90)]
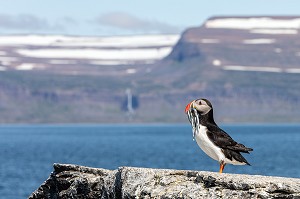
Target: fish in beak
[(193, 117)]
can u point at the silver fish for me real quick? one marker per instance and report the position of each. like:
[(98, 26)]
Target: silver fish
[(194, 120)]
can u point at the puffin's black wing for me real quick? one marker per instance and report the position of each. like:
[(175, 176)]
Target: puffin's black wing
[(230, 148), (224, 141)]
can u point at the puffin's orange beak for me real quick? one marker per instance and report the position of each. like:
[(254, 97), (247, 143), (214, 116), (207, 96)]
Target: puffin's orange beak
[(188, 107)]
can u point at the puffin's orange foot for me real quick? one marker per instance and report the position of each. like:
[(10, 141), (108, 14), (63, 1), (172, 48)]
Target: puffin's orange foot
[(222, 165)]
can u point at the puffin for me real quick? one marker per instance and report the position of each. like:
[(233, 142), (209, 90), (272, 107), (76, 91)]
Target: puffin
[(214, 141)]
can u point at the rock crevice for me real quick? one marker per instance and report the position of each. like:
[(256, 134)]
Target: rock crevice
[(73, 181)]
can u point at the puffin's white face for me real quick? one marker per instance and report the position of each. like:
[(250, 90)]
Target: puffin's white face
[(195, 109), (202, 106)]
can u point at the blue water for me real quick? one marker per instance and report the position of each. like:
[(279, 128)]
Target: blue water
[(27, 153)]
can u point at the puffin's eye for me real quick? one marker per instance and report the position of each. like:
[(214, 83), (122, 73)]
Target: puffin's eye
[(200, 102)]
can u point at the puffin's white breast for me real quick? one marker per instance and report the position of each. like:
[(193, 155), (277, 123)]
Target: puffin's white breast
[(208, 146)]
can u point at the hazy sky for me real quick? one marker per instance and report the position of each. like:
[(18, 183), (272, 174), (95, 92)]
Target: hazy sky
[(126, 17)]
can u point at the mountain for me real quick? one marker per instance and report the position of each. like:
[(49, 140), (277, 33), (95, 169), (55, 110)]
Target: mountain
[(247, 66), (248, 42)]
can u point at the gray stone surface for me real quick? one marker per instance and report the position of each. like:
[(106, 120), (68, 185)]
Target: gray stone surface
[(72, 181)]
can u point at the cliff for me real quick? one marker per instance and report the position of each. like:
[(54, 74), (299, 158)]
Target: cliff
[(72, 181)]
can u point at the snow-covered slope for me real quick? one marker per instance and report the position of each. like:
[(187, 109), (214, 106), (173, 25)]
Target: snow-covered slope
[(72, 41), (254, 23), (42, 51)]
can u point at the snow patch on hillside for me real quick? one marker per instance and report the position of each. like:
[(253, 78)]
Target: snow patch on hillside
[(69, 41), (111, 62), (62, 62), (253, 68), (261, 69), (26, 66), (275, 31), (293, 70), (216, 62), (210, 41), (34, 40), (253, 23), (131, 71), (259, 41), (124, 42), (101, 54)]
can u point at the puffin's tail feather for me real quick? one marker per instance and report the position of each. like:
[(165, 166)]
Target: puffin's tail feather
[(230, 154)]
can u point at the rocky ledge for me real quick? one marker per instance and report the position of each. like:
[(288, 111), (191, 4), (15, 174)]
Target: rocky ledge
[(72, 181)]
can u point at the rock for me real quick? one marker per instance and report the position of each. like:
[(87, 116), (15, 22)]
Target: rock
[(72, 181)]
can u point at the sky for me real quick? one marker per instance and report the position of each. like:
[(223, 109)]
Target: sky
[(127, 17)]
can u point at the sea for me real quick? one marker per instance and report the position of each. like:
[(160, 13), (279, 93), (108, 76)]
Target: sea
[(27, 152)]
